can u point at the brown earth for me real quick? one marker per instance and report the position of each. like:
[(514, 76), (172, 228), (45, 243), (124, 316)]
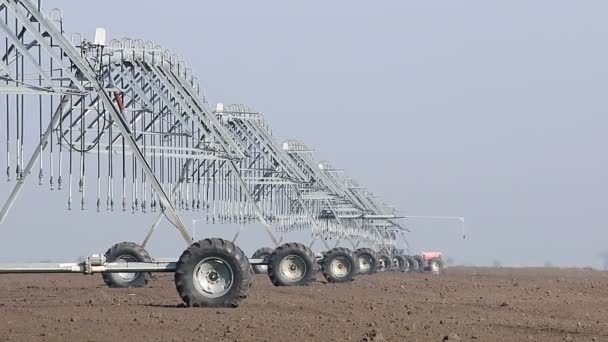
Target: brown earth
[(465, 304)]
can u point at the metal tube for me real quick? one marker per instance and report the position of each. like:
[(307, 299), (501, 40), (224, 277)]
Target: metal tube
[(30, 165), (85, 267)]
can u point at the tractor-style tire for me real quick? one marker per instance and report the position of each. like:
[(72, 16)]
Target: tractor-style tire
[(126, 252), (400, 263), (366, 260), (292, 264), (412, 264), (262, 253), (436, 266), (213, 273), (339, 265), (420, 262), (384, 262)]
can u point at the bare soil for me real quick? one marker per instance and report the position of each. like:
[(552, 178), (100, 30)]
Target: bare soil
[(465, 304)]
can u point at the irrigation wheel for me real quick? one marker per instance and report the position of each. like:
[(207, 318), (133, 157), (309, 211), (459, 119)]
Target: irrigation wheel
[(400, 263), (261, 253), (366, 258), (213, 273), (339, 265), (127, 252), (384, 262), (292, 264)]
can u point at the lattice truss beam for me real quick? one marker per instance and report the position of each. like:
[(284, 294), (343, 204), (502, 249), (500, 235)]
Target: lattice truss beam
[(124, 126)]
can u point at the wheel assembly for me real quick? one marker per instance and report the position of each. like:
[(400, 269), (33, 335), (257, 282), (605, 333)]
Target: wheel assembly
[(420, 264), (262, 253), (436, 266), (366, 259), (384, 262), (400, 263), (412, 264), (127, 252), (213, 273), (339, 265), (292, 264)]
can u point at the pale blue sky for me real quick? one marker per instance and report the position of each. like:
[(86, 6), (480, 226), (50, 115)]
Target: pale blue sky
[(492, 110)]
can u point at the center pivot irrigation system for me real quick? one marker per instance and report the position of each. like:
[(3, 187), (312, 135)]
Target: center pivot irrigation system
[(123, 125)]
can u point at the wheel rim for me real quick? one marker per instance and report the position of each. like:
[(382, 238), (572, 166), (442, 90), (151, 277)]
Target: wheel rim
[(383, 264), (397, 263), (293, 267), (124, 276), (414, 265), (340, 267), (365, 263), (434, 267), (213, 277)]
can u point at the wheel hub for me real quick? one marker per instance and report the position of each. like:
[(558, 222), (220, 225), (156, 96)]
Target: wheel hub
[(213, 277), (340, 267), (435, 267), (365, 263), (383, 264), (293, 267), (126, 276)]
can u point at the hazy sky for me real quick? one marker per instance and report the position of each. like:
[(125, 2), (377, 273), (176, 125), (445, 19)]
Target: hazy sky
[(491, 110)]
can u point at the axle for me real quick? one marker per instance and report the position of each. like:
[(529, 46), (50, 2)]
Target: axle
[(96, 263)]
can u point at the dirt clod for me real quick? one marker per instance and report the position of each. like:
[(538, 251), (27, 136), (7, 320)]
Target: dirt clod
[(451, 337), (373, 335)]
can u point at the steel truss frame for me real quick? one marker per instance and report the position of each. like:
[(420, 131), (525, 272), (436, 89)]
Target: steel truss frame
[(135, 112)]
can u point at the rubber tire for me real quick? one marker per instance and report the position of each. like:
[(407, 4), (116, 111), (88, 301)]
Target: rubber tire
[(293, 248), (343, 253), (440, 265), (389, 265), (366, 251), (261, 254), (421, 263), (134, 251), (403, 263), (230, 254), (412, 264)]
